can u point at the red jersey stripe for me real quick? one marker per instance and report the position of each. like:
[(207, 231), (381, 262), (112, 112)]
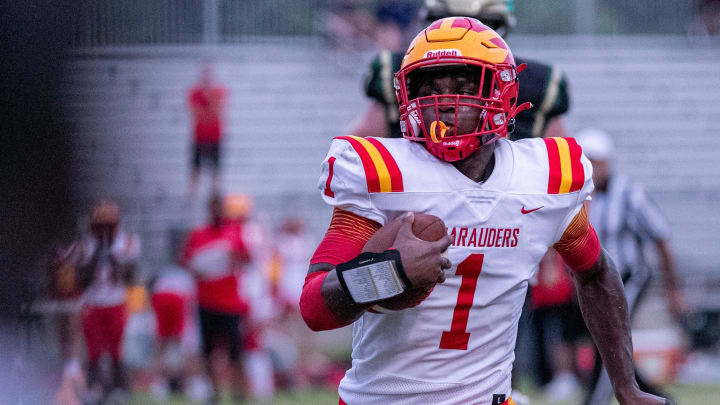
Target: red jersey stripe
[(395, 174), (371, 174), (578, 172), (555, 176)]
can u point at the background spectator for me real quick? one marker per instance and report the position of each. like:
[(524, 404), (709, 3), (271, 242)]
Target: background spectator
[(207, 104)]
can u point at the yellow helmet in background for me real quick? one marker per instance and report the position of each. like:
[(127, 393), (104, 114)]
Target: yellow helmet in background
[(237, 206)]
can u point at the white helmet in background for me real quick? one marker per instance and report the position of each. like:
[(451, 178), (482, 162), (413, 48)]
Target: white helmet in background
[(596, 144), (496, 14)]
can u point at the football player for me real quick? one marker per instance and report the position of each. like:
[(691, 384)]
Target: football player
[(544, 86), (449, 336)]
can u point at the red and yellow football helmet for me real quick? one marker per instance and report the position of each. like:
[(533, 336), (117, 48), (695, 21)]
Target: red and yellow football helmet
[(457, 41)]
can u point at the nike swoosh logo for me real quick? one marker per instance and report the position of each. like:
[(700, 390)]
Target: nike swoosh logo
[(524, 211)]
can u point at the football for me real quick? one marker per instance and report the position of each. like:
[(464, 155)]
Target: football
[(426, 227)]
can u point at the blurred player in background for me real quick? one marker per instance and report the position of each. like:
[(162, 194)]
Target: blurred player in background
[(290, 339), (207, 102), (237, 210), (450, 335), (64, 289), (215, 253), (108, 262), (65, 296), (174, 302), (543, 85), (626, 220)]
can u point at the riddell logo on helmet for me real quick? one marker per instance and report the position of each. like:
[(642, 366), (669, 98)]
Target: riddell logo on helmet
[(442, 53)]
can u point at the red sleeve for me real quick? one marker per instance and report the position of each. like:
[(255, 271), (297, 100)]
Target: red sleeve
[(345, 238), (579, 245), (343, 241), (313, 308)]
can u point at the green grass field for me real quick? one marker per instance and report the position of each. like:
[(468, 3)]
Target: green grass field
[(684, 395)]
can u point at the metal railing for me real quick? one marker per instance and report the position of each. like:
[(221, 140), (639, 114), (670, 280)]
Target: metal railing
[(99, 23)]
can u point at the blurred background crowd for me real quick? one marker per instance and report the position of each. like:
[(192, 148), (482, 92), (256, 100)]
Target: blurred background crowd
[(160, 198)]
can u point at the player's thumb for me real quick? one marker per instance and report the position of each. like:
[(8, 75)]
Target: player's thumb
[(406, 224)]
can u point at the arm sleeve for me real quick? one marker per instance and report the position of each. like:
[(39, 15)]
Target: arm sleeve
[(579, 245), (344, 240), (343, 182), (313, 308)]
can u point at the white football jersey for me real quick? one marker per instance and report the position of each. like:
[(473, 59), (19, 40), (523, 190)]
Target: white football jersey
[(457, 346)]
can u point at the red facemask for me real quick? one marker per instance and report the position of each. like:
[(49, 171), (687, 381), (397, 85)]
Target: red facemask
[(495, 105)]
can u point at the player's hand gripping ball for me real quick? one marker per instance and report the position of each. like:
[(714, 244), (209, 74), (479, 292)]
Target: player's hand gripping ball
[(425, 227)]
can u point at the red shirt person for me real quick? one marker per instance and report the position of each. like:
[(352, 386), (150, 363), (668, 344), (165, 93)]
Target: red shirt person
[(213, 254), (207, 102)]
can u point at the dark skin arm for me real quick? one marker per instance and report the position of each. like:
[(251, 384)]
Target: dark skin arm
[(423, 263), (673, 288), (602, 301), (339, 303)]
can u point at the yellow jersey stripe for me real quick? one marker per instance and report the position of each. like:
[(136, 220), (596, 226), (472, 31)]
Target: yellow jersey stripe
[(565, 165)]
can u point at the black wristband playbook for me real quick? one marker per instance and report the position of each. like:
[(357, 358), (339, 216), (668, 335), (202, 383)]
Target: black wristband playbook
[(373, 277)]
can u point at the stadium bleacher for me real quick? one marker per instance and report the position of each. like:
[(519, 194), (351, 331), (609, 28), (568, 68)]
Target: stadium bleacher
[(657, 96)]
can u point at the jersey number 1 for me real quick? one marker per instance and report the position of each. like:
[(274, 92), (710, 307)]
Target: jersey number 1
[(457, 338), (328, 192)]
